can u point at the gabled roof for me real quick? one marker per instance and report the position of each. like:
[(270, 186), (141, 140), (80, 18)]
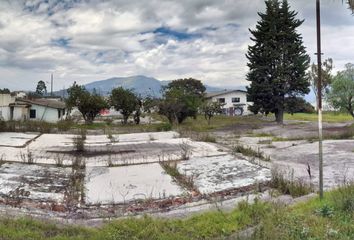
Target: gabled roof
[(44, 102), (215, 94)]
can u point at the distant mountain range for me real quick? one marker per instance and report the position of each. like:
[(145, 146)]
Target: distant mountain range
[(142, 85)]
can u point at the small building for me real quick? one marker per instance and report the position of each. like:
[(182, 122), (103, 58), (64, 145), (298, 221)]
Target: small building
[(235, 101), (41, 109), (5, 100)]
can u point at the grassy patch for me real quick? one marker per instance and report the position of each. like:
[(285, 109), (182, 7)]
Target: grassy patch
[(314, 219), (331, 218), (218, 122), (327, 117)]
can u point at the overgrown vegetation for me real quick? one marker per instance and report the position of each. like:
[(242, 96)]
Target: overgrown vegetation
[(331, 218), (285, 183)]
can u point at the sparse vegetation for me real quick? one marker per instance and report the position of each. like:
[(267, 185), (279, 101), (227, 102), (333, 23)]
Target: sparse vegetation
[(289, 185), (250, 152), (184, 181)]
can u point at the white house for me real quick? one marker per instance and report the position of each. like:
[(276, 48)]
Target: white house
[(235, 101), (12, 108)]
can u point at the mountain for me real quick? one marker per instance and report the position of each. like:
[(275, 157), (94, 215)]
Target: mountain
[(141, 85)]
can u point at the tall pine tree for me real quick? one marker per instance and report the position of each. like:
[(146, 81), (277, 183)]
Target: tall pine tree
[(277, 60)]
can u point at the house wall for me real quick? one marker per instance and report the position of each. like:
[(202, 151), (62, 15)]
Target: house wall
[(228, 100), (5, 100), (44, 113), (20, 114)]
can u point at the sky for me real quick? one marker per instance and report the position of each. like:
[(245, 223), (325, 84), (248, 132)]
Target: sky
[(88, 40)]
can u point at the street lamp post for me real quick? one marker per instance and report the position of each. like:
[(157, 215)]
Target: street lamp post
[(319, 97)]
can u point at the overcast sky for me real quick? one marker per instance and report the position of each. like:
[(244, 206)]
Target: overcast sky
[(86, 40)]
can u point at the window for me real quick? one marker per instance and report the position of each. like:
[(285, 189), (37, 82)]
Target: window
[(59, 113), (32, 113), (235, 99), (221, 100)]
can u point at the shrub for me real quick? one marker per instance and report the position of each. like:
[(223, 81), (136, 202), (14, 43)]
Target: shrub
[(163, 127)]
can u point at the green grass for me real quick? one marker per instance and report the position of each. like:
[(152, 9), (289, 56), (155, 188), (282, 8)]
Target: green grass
[(327, 117), (209, 225), (331, 218), (218, 122)]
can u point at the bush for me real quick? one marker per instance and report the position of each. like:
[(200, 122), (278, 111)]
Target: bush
[(163, 127)]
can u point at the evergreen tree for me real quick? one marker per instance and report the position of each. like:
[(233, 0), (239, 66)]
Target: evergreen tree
[(41, 88), (277, 61)]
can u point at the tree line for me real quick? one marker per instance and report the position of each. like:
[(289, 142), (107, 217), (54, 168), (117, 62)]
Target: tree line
[(181, 99)]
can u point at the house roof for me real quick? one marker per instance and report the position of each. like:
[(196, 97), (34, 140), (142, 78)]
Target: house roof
[(44, 102), (215, 94)]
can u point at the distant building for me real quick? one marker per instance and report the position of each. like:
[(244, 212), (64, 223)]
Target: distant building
[(236, 103), (41, 109)]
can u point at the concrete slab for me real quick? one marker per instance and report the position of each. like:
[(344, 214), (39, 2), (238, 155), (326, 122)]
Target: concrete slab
[(41, 183), (11, 139), (294, 157), (218, 173), (124, 184)]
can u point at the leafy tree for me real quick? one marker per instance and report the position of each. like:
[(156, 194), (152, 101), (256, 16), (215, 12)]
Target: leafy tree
[(210, 109), (181, 99), (277, 60), (326, 76), (41, 88), (341, 95), (88, 104), (297, 105), (125, 101), (5, 91)]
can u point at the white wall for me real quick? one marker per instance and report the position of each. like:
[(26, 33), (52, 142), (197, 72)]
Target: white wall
[(45, 113), (5, 100), (20, 113), (228, 100)]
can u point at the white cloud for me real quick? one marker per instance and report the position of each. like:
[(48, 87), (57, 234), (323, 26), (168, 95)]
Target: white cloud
[(90, 40)]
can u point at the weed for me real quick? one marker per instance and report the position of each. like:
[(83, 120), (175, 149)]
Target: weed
[(64, 125), (27, 157), (343, 198), (325, 211), (59, 160), (184, 180), (288, 185), (206, 137), (250, 152), (185, 150)]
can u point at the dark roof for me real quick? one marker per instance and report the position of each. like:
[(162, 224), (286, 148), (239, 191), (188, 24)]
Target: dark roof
[(44, 102), (214, 94)]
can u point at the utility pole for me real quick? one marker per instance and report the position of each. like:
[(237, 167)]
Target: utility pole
[(51, 84), (319, 97)]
